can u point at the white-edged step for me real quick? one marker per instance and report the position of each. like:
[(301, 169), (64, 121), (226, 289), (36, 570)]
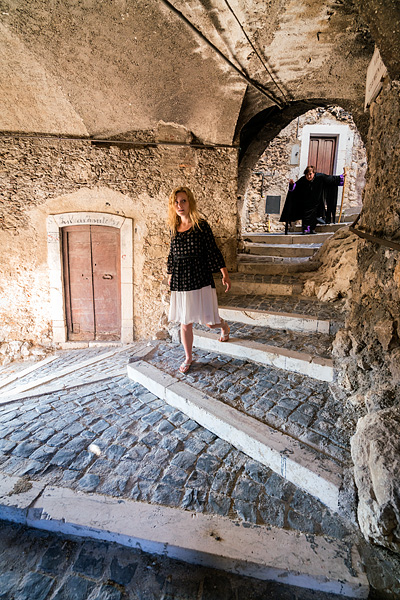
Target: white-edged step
[(312, 471), (281, 238), (262, 552), (268, 285), (281, 358), (282, 250), (275, 320)]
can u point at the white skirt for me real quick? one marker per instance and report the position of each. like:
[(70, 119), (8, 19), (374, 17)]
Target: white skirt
[(196, 306)]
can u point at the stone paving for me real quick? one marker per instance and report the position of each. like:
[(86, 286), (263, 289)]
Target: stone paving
[(288, 304), (148, 452), (295, 404), (71, 360), (115, 438), (316, 344), (54, 567)]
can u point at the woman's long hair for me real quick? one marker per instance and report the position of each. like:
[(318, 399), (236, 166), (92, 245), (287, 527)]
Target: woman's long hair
[(174, 219)]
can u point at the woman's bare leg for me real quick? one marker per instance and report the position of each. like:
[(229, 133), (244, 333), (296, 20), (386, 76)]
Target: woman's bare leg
[(224, 329), (187, 341)]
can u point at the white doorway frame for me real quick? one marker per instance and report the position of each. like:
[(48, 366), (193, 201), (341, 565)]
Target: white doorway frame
[(345, 139), (55, 268)]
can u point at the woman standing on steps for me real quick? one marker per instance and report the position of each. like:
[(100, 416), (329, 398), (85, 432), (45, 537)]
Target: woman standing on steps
[(193, 258)]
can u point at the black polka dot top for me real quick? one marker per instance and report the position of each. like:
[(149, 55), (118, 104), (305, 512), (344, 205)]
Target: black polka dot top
[(193, 257)]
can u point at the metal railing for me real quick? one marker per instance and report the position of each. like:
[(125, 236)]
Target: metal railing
[(373, 238)]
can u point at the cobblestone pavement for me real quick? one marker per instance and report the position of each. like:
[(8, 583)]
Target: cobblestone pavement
[(294, 403), (149, 452), (153, 453), (316, 344), (288, 304), (36, 565), (72, 360)]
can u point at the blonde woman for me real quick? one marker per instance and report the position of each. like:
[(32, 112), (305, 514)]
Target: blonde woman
[(193, 258)]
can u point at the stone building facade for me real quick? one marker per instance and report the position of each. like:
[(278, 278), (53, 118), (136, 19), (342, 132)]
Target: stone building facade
[(286, 158), (48, 184)]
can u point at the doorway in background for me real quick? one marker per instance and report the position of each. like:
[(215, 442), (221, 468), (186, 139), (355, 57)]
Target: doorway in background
[(322, 153), (92, 282)]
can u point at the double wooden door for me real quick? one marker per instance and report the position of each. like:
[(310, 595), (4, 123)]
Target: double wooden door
[(321, 154), (92, 282)]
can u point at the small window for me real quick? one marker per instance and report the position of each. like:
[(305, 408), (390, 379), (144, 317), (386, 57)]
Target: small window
[(273, 205)]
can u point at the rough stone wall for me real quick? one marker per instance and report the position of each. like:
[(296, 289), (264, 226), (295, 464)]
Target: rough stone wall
[(275, 164), (338, 258), (49, 176), (368, 350)]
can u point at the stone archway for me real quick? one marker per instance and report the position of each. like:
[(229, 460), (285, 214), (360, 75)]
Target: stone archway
[(54, 224), (285, 157)]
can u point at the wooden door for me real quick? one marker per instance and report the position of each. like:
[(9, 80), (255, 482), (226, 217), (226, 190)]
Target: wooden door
[(92, 282), (321, 154)]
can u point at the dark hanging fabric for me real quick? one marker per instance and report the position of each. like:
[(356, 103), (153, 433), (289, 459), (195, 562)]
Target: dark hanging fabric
[(306, 201)]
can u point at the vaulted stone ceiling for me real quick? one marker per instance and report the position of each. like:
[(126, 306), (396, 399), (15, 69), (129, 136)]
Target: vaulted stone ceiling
[(111, 68)]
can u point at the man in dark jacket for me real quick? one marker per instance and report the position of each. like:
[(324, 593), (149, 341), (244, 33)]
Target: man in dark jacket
[(305, 198)]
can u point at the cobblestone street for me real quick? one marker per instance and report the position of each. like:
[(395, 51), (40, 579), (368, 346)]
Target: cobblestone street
[(286, 304), (149, 452), (53, 567), (93, 430), (296, 404)]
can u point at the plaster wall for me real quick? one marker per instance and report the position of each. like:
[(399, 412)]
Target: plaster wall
[(280, 162), (43, 177)]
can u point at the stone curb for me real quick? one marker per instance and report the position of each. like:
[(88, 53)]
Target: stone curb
[(139, 351), (60, 387), (268, 238), (60, 373), (275, 320), (308, 469), (266, 553), (281, 358), (261, 288), (282, 250)]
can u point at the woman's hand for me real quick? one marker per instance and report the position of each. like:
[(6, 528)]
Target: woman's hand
[(169, 280), (226, 279)]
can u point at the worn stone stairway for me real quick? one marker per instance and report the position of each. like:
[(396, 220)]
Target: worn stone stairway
[(237, 465), (278, 254), (276, 406)]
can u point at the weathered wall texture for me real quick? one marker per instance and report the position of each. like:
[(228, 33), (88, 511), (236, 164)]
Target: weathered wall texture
[(275, 165), (368, 350), (338, 258), (44, 176)]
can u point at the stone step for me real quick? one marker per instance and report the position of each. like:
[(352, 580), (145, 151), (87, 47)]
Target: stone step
[(269, 285), (273, 265), (276, 320), (262, 552), (317, 367), (302, 465), (280, 238), (281, 250), (305, 307), (329, 228)]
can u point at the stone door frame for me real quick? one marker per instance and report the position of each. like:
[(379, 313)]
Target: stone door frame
[(54, 261), (345, 140)]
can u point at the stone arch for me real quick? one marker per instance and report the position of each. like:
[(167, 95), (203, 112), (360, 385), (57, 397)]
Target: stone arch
[(54, 252), (263, 128)]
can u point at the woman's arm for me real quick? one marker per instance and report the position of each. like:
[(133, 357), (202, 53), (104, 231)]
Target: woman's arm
[(226, 279)]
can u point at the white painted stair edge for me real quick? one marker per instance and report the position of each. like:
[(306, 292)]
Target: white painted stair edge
[(262, 552), (281, 358), (306, 468), (275, 320)]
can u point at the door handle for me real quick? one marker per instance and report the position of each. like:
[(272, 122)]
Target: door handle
[(107, 276)]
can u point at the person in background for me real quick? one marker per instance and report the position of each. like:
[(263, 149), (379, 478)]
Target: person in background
[(305, 198), (193, 258)]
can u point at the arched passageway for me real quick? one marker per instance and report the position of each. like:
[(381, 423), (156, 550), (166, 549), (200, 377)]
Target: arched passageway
[(324, 136)]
